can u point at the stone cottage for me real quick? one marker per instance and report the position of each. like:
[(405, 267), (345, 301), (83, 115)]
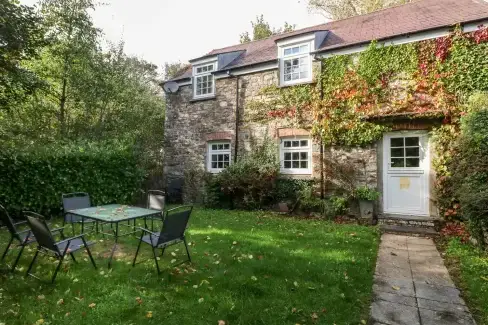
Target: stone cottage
[(206, 126)]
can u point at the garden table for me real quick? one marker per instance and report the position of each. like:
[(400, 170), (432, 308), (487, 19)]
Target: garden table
[(114, 214)]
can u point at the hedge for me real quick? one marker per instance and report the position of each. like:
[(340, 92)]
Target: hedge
[(34, 179)]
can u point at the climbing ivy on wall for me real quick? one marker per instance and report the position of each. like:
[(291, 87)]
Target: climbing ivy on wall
[(428, 78)]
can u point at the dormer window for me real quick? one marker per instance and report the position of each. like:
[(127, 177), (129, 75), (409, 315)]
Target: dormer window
[(203, 80), (295, 64)]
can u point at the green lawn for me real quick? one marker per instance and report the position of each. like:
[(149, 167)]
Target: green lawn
[(249, 268), (469, 266)]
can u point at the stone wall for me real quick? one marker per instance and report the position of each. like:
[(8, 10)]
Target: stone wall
[(191, 124)]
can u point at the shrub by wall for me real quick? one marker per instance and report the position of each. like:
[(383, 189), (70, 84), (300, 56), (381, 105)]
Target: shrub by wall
[(470, 171), (35, 178)]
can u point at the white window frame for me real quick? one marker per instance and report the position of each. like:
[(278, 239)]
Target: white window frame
[(301, 55), (197, 75), (307, 149), (211, 152)]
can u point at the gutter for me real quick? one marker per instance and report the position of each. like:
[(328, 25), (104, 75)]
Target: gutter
[(384, 39)]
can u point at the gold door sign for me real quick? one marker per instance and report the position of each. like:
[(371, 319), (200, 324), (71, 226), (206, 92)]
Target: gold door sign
[(404, 183)]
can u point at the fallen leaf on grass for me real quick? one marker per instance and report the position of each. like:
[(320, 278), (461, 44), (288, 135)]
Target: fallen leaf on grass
[(60, 302), (92, 305), (221, 322), (254, 278), (195, 286), (139, 300), (484, 278), (200, 300), (314, 316), (40, 297), (173, 254), (149, 314), (40, 321), (67, 314), (173, 260), (295, 284), (395, 288), (363, 322)]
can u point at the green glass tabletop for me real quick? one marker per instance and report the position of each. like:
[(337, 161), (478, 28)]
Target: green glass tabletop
[(114, 212)]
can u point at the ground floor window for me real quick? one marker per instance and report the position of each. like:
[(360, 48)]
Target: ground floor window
[(219, 156), (296, 155)]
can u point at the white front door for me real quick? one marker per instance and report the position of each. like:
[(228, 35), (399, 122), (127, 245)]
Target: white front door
[(406, 173)]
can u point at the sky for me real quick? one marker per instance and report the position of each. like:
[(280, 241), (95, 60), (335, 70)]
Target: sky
[(162, 31)]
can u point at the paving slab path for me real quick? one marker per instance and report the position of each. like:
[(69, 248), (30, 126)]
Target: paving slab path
[(412, 285)]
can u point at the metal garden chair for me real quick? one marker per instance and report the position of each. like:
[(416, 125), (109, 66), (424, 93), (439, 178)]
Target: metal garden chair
[(47, 244), (72, 201), (156, 200), (172, 232), (23, 237)]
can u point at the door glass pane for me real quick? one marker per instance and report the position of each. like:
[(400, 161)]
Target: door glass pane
[(412, 141), (413, 162), (397, 152), (396, 142), (397, 162), (412, 152)]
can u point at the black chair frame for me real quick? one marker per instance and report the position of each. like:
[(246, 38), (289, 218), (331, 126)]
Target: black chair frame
[(161, 243), (23, 237), (151, 193), (48, 245), (75, 219)]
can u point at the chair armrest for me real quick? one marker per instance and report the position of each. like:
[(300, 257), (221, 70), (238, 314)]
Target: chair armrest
[(20, 223), (148, 231), (61, 229), (23, 231), (70, 239)]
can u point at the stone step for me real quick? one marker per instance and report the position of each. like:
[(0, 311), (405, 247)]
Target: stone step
[(409, 221), (409, 230)]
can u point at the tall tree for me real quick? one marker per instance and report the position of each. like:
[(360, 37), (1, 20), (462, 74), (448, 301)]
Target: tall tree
[(21, 38), (261, 30), (75, 41), (341, 9)]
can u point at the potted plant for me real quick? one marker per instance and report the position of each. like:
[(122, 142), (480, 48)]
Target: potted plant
[(366, 197)]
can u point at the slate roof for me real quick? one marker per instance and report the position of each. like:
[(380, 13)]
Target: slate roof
[(382, 24)]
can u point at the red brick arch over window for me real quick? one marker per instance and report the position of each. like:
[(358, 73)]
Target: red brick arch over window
[(222, 135), (288, 132)]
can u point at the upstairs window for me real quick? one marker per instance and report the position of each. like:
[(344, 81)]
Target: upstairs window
[(296, 155), (203, 81), (219, 156), (296, 64)]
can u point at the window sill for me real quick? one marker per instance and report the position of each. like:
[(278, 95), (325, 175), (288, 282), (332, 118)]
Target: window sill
[(201, 99), (300, 173), (297, 84)]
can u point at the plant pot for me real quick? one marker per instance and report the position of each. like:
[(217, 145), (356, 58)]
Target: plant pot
[(366, 208)]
